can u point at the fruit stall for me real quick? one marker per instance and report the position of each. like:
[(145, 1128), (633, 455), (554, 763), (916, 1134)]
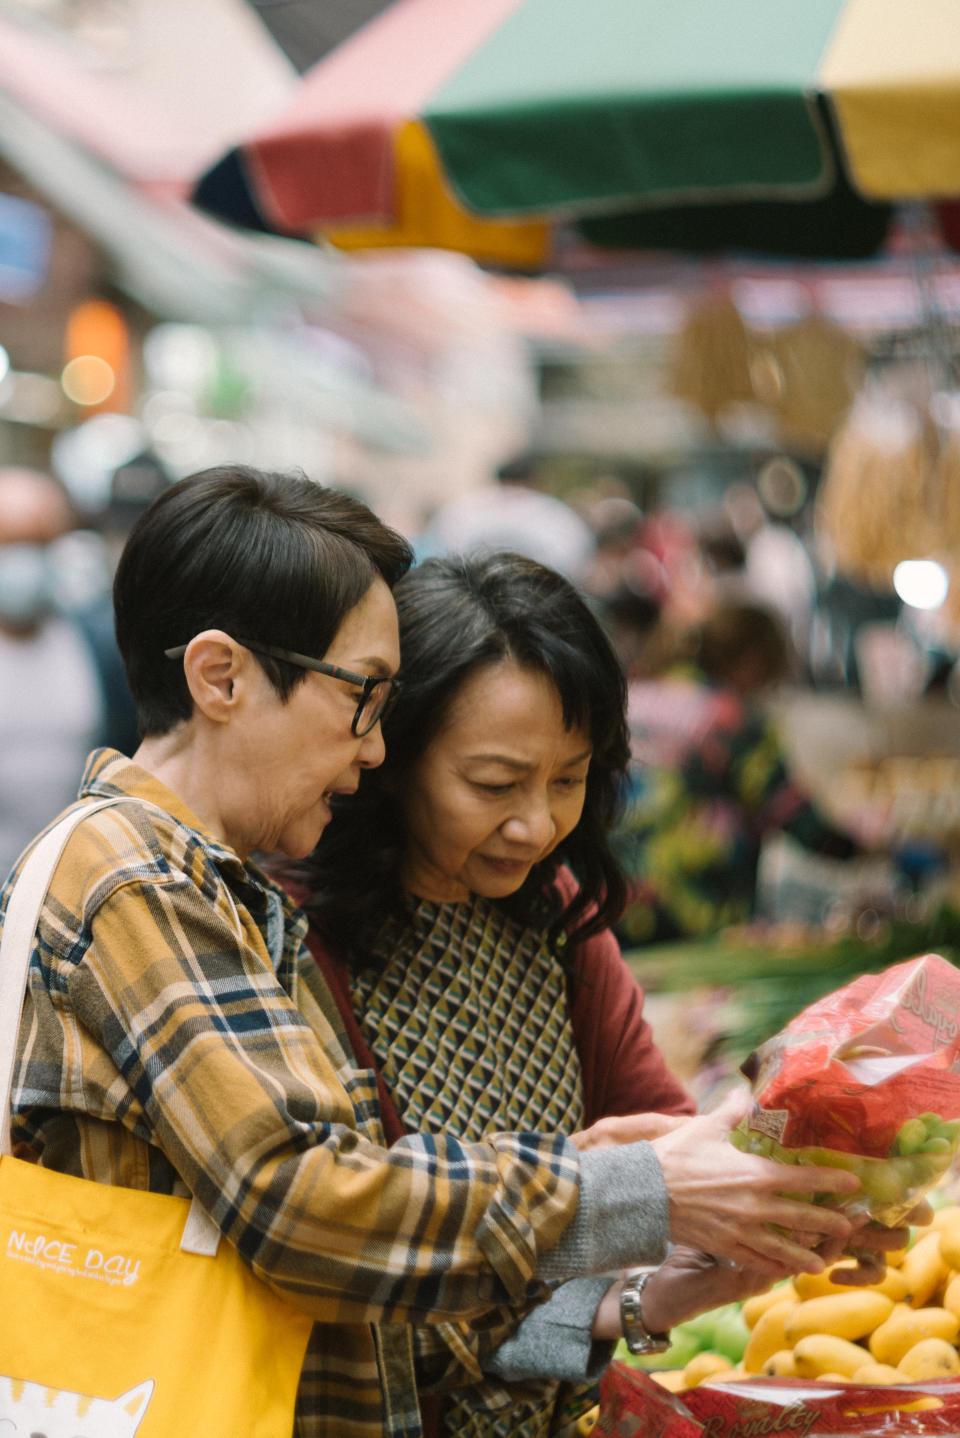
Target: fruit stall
[(865, 1078), (814, 1355)]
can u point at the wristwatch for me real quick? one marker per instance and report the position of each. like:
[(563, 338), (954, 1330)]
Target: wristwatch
[(638, 1339)]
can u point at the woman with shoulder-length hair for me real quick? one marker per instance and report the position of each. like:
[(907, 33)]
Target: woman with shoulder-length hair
[(476, 976)]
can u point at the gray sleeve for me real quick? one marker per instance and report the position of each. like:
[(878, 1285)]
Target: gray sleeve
[(554, 1342), (622, 1218)]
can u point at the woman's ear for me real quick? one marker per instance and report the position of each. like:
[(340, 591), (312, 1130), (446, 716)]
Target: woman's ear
[(212, 663)]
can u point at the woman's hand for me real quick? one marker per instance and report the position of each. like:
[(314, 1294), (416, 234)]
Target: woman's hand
[(690, 1281), (687, 1283), (629, 1128), (721, 1197), (869, 1244), (731, 1205)]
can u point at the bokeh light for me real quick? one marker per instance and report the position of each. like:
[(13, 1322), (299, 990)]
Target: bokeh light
[(921, 583)]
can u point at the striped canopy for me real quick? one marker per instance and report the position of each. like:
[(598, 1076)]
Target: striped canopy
[(477, 125)]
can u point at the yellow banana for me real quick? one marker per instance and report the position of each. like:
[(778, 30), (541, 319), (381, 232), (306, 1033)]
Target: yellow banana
[(704, 1365), (877, 1375), (949, 1245), (781, 1364), (930, 1358), (906, 1326), (769, 1335), (924, 1268), (852, 1315), (760, 1302), (822, 1353), (951, 1294)]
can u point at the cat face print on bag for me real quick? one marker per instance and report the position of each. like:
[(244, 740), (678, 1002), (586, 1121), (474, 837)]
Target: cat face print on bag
[(32, 1410)]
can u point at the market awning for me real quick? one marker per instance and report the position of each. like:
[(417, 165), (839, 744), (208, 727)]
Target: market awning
[(479, 124)]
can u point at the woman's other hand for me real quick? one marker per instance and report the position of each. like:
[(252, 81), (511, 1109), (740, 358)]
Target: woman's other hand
[(688, 1282), (630, 1128)]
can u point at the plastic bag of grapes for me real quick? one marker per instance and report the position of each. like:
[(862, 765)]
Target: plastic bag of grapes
[(866, 1079)]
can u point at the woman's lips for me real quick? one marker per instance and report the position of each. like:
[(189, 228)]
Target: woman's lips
[(507, 866)]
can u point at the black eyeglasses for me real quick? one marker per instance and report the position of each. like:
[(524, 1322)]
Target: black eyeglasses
[(378, 697)]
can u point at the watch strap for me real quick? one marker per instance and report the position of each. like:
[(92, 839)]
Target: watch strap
[(637, 1336)]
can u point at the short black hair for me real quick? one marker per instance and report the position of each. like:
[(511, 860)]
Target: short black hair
[(265, 556), (458, 615)]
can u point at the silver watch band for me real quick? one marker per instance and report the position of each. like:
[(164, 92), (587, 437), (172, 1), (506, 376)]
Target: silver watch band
[(637, 1336)]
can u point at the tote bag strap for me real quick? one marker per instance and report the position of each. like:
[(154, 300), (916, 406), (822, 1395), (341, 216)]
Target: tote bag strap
[(200, 1234)]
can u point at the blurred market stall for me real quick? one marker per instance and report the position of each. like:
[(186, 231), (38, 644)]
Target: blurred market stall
[(774, 127), (403, 382)]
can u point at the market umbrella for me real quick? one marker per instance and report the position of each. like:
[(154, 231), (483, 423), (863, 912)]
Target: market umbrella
[(480, 125)]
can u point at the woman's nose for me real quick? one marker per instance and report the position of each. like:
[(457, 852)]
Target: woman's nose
[(372, 748), (533, 823)]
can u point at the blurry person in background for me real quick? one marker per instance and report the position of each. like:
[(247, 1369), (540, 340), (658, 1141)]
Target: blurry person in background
[(57, 697), (630, 618), (710, 779), (516, 514), (134, 485)]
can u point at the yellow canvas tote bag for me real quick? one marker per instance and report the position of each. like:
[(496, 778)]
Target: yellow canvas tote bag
[(121, 1313)]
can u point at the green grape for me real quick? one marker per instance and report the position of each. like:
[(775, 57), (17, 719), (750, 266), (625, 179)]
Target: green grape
[(911, 1136)]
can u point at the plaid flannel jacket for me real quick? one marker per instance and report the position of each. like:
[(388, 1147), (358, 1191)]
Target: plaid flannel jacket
[(177, 1035)]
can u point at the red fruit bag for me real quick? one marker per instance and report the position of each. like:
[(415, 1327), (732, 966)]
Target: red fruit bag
[(795, 1407), (634, 1405), (866, 1079)]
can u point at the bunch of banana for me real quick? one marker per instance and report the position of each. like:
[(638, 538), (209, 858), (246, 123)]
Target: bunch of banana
[(904, 1328)]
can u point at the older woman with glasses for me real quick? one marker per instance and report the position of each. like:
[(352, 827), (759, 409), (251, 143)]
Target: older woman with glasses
[(478, 980)]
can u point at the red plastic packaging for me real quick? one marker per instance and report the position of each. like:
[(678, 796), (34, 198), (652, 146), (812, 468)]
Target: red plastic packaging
[(633, 1405), (866, 1078)]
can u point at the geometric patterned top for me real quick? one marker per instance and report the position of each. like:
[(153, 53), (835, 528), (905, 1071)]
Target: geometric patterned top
[(468, 1021)]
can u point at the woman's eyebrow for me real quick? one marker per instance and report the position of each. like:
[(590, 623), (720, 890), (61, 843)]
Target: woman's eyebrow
[(513, 763), (374, 667)]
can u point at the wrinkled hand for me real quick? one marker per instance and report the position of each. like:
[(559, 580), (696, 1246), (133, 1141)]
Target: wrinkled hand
[(689, 1282), (731, 1204), (869, 1244), (608, 1132)]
